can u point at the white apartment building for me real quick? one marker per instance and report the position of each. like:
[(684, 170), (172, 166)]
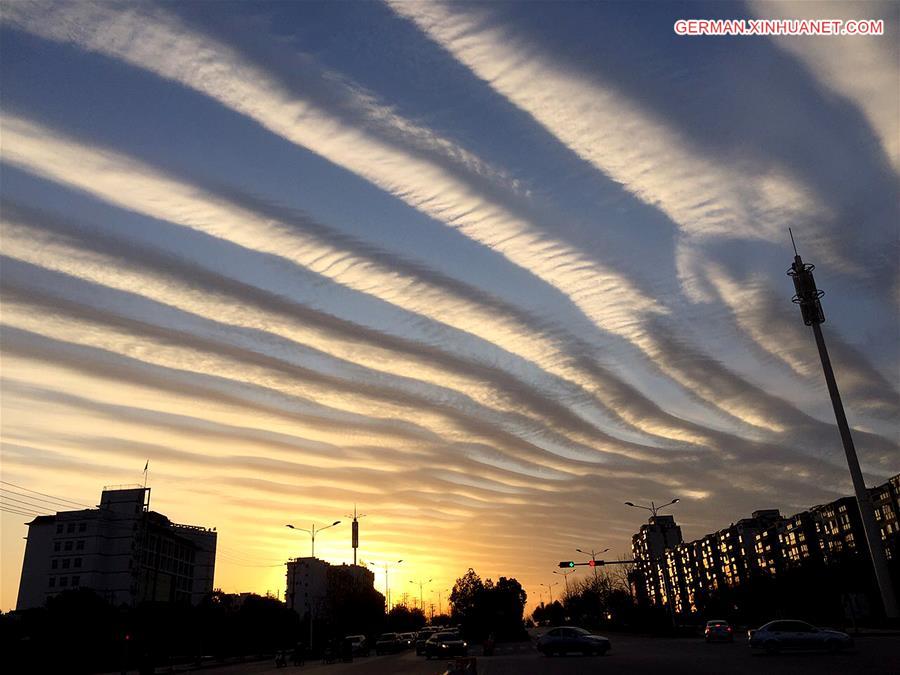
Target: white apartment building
[(122, 550)]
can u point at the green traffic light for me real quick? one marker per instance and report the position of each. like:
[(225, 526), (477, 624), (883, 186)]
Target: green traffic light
[(567, 563)]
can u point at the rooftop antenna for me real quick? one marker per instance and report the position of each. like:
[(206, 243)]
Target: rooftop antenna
[(808, 298)]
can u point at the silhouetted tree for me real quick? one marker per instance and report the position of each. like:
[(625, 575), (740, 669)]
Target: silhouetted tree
[(482, 607), (402, 619)]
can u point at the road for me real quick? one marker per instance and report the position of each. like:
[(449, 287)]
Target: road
[(630, 654)]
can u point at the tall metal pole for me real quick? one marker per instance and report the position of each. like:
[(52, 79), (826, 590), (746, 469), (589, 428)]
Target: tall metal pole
[(811, 309)]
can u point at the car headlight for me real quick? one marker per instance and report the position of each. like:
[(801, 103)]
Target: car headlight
[(465, 644), (443, 646)]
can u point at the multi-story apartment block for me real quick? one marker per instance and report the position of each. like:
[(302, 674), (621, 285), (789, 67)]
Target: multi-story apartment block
[(648, 545), (311, 583), (684, 575), (886, 501), (121, 549)]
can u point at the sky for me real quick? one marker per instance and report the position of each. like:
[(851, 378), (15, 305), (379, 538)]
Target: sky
[(485, 270)]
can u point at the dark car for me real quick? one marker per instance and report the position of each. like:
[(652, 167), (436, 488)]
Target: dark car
[(421, 638), (407, 640), (359, 645), (388, 643), (571, 639), (446, 643), (788, 634), (717, 630)]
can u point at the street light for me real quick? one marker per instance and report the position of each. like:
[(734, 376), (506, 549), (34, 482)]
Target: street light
[(653, 508), (565, 576), (549, 588), (421, 585), (387, 591), (312, 533), (593, 555)]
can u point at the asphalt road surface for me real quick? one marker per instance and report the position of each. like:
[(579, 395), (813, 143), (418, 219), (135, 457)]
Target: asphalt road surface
[(630, 655)]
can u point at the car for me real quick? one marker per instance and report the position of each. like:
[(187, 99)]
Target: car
[(718, 630), (388, 643), (776, 636), (359, 645), (421, 638), (446, 643), (564, 639), (407, 640)]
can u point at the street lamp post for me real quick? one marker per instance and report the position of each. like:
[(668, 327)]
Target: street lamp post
[(593, 555), (312, 533), (654, 510), (421, 586), (565, 576), (387, 588), (549, 588)]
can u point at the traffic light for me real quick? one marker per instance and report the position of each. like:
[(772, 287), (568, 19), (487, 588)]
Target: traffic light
[(567, 563), (597, 563)]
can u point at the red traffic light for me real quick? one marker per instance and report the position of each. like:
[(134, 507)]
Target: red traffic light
[(596, 563), (567, 563)]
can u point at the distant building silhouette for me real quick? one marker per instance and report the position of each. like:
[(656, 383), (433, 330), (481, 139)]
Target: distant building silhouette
[(122, 550), (312, 583), (683, 576), (649, 547)]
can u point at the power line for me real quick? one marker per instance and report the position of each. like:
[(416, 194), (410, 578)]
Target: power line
[(44, 494), (7, 509), (22, 506), (36, 507), (54, 504)]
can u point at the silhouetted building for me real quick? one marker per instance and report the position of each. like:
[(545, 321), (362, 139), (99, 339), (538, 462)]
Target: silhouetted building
[(762, 546), (649, 547), (886, 501), (122, 550), (312, 583)]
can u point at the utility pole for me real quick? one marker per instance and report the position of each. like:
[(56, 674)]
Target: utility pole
[(565, 576), (421, 584), (807, 297)]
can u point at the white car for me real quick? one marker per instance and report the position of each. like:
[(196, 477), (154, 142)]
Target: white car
[(789, 634)]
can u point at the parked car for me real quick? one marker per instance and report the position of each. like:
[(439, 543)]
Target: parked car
[(407, 640), (359, 645), (790, 634), (421, 638), (446, 643), (572, 639), (718, 630), (388, 643)]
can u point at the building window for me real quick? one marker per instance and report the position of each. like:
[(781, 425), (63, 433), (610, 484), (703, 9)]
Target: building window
[(82, 527), (70, 527), (54, 564), (68, 546), (76, 581), (64, 581), (79, 545), (59, 528), (77, 562), (56, 546), (66, 563), (52, 582)]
